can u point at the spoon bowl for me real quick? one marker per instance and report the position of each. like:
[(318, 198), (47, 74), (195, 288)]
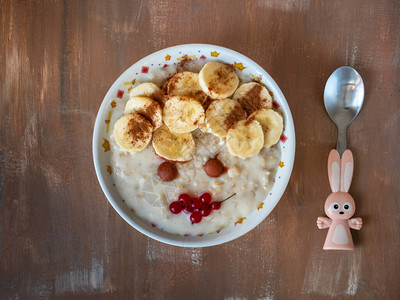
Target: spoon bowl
[(343, 98)]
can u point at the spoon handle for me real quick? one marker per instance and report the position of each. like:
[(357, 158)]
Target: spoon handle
[(341, 141), (339, 206)]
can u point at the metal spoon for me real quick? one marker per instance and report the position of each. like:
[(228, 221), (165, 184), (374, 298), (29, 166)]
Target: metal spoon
[(343, 98)]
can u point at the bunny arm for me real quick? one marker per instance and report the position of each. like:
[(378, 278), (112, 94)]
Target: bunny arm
[(323, 222), (355, 223)]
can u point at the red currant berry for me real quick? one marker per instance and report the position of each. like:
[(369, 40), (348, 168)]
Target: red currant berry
[(196, 203), (205, 210), (205, 198), (184, 199), (215, 205), (195, 217), (188, 209), (175, 207)]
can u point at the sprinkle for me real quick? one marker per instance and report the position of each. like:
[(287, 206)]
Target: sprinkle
[(113, 104), (239, 66), (257, 78), (240, 221), (284, 138), (275, 104), (109, 170), (106, 145), (145, 69), (214, 53), (108, 121), (120, 94), (186, 57)]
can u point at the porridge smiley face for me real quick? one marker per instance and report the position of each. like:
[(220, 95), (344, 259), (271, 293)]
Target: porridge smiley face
[(188, 157)]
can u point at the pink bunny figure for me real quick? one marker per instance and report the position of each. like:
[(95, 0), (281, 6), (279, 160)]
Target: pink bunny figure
[(339, 206)]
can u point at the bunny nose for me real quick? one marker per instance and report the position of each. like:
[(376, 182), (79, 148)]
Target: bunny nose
[(341, 213)]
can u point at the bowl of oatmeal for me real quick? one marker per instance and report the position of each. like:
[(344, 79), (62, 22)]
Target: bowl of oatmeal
[(194, 145)]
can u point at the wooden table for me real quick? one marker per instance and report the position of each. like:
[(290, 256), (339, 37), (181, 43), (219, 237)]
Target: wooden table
[(60, 238)]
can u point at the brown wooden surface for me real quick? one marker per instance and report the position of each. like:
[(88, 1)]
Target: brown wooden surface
[(60, 238)]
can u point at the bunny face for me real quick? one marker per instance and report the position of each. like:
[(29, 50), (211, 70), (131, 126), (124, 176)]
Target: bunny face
[(340, 206)]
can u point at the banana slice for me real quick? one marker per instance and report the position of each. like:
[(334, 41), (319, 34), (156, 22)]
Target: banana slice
[(173, 146), (148, 89), (253, 96), (133, 132), (187, 84), (222, 114), (271, 123), (218, 80), (147, 108), (245, 139), (183, 114)]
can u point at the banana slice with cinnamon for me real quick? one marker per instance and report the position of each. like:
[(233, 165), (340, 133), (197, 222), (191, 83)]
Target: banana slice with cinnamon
[(148, 89), (132, 132), (147, 107), (173, 146), (271, 123), (218, 80), (187, 84), (245, 139), (253, 96), (183, 114), (222, 114)]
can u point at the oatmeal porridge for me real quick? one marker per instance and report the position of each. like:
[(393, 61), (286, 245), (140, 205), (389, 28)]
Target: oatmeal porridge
[(219, 135)]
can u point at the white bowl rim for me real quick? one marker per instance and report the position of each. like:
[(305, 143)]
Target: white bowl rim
[(186, 241)]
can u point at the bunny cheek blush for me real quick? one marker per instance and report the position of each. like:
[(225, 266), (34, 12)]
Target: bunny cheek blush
[(339, 206)]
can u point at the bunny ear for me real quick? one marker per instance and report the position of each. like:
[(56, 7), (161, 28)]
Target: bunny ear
[(334, 170), (347, 166)]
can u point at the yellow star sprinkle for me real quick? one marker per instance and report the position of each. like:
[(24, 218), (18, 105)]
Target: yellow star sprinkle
[(214, 53), (109, 170), (113, 104), (260, 206), (168, 57), (281, 164), (239, 66), (240, 221), (106, 145)]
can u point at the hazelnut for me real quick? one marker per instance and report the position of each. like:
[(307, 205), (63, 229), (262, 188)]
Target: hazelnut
[(214, 168), (167, 171)]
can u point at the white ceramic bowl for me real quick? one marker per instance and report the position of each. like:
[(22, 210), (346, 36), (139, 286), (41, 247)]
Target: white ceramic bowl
[(144, 67)]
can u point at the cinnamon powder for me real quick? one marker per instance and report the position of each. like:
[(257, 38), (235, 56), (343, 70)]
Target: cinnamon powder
[(139, 129), (235, 116), (252, 101)]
